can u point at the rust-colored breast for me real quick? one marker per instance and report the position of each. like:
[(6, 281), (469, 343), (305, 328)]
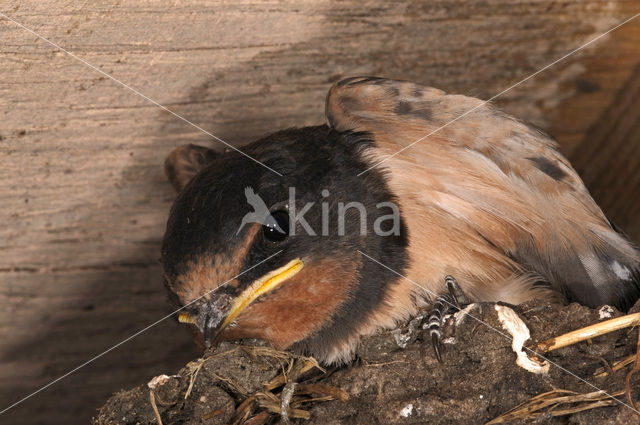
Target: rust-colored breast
[(299, 307)]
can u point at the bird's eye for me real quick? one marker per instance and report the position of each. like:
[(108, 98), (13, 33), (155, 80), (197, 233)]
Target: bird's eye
[(276, 229)]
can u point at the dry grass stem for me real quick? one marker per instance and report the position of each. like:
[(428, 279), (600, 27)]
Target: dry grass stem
[(615, 366), (553, 402), (588, 332), (152, 399), (216, 412)]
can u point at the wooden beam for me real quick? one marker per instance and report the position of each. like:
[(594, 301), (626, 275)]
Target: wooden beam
[(609, 158)]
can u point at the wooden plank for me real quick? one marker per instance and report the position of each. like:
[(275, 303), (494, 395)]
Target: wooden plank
[(83, 197), (609, 158)]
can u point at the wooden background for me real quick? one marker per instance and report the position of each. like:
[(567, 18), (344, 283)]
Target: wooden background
[(83, 197)]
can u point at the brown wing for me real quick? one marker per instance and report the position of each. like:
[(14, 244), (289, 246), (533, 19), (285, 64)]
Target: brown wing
[(480, 181), (186, 161)]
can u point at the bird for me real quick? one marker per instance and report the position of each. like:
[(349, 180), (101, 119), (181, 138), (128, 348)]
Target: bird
[(454, 195), (260, 213)]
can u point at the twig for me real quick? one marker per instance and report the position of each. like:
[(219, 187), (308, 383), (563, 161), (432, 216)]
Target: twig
[(244, 410), (329, 390), (152, 398), (217, 412), (193, 372), (615, 366), (588, 332), (259, 419), (532, 408)]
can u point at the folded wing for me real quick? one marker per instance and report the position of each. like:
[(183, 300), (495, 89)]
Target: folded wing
[(458, 163)]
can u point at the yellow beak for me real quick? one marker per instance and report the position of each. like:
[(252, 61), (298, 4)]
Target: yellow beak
[(185, 318), (260, 286)]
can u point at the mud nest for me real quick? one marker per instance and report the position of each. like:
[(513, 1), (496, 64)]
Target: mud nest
[(395, 379)]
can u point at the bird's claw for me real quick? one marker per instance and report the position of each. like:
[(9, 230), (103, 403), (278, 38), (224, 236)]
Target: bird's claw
[(460, 299), (435, 342), (455, 299)]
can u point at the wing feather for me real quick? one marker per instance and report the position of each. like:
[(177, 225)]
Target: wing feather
[(499, 181)]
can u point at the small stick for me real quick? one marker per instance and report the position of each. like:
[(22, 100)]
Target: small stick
[(589, 332), (259, 419), (244, 410), (217, 411), (324, 389), (152, 398), (553, 401), (282, 379), (601, 371)]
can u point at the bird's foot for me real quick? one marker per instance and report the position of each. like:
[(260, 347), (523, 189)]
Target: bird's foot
[(454, 300)]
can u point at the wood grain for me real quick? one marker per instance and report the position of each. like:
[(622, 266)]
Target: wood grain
[(84, 200), (609, 158)]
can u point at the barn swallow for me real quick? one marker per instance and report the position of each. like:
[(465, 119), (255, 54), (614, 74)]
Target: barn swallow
[(486, 198)]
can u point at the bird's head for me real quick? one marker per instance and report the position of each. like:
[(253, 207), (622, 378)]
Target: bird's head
[(303, 283)]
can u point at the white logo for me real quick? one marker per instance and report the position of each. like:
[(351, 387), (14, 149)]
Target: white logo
[(261, 215), (260, 212)]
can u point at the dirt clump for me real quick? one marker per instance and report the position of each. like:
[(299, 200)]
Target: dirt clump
[(396, 379)]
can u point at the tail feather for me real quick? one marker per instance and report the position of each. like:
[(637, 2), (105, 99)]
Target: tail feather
[(615, 278), (594, 274), (626, 269)]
